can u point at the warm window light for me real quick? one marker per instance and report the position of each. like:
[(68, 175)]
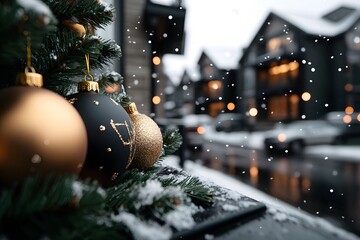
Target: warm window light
[(254, 171), (156, 100), (274, 44), (156, 60), (253, 112), (294, 99), (293, 66), (283, 68), (349, 110), (230, 106), (274, 70), (347, 119), (306, 96), (215, 84)]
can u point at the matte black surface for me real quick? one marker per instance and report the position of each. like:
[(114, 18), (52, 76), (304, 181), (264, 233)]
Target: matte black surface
[(105, 123)]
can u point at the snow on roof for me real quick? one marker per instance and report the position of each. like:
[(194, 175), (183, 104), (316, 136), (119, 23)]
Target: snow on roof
[(224, 58), (317, 25)]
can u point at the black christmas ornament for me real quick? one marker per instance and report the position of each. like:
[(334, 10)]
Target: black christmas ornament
[(111, 138)]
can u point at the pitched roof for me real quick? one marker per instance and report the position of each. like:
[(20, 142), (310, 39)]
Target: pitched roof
[(222, 57), (323, 25)]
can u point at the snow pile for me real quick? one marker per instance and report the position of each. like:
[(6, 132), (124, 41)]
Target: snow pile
[(178, 216), (37, 6), (144, 230)]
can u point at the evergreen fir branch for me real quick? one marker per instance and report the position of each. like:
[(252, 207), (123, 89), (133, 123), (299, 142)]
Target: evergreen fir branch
[(172, 141), (62, 59), (34, 195), (192, 186), (125, 100), (101, 51), (85, 12), (119, 194), (14, 21), (56, 48), (109, 79), (56, 207), (124, 195)]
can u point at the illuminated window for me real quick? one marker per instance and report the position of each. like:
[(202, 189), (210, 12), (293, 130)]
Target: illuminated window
[(278, 107), (294, 106), (274, 45), (214, 88)]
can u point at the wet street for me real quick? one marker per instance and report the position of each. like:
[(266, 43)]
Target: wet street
[(322, 185)]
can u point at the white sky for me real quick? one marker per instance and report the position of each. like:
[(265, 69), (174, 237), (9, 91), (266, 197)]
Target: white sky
[(232, 24)]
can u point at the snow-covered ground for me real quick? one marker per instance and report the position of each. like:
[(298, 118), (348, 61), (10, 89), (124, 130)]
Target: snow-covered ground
[(218, 178)]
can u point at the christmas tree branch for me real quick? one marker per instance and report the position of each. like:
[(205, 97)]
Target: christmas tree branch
[(191, 186), (85, 12), (172, 141), (62, 59), (15, 20), (54, 206)]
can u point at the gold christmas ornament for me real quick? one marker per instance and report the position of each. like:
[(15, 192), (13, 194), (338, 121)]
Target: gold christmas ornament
[(148, 139), (40, 133), (76, 27)]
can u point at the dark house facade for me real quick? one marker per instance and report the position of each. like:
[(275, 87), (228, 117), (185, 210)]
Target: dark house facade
[(183, 97), (302, 68), (210, 88), (215, 91)]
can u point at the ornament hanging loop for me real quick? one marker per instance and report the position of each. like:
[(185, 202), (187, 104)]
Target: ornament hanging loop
[(87, 60), (88, 84), (29, 77), (88, 76), (28, 49)]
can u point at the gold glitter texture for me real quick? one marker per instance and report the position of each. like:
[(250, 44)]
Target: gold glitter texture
[(148, 141)]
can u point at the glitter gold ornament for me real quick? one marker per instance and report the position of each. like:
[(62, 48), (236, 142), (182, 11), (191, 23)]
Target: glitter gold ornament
[(40, 133), (148, 140)]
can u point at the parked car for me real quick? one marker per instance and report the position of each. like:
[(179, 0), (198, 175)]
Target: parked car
[(296, 135), (349, 125), (192, 128), (229, 122)]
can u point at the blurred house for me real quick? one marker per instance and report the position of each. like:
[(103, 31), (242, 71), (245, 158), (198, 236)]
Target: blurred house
[(210, 88), (299, 67), (183, 96)]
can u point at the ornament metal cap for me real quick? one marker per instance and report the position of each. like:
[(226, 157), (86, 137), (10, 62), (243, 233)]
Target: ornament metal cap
[(88, 86), (131, 108), (29, 78)]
